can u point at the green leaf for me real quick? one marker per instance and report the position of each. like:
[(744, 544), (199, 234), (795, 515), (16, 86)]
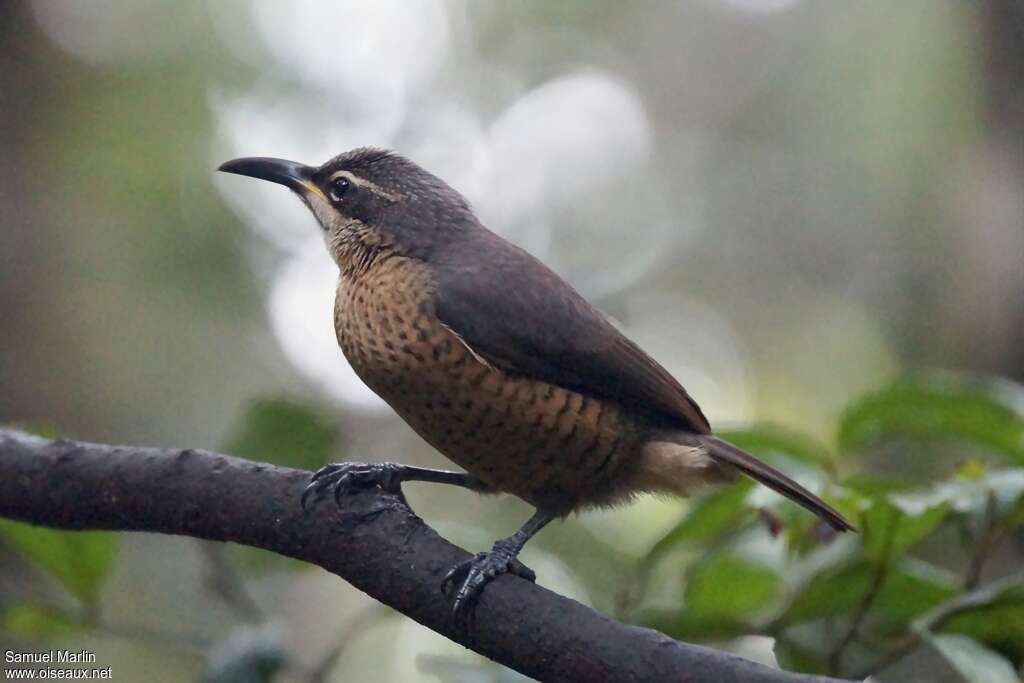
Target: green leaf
[(1016, 515), (710, 517), (34, 621), (874, 485), (829, 593), (892, 526), (43, 428), (963, 495), (774, 443), (80, 560), (972, 470), (283, 432), (938, 408), (914, 588), (694, 628), (973, 661), (795, 657), (730, 587), (722, 594), (993, 615), (909, 589)]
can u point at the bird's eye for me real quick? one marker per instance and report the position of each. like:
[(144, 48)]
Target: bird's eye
[(339, 188)]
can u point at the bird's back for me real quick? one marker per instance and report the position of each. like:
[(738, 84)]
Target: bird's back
[(523, 317)]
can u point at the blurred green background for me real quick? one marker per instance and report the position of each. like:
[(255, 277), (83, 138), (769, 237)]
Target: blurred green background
[(788, 203)]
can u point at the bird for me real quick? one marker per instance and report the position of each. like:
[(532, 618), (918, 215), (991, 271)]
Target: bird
[(496, 362)]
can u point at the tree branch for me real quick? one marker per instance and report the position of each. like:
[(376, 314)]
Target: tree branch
[(392, 556)]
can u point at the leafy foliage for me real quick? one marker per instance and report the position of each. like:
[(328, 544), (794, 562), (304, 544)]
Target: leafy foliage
[(715, 609), (907, 582), (993, 615), (909, 589), (35, 621), (283, 432), (776, 444), (972, 660), (890, 530), (936, 408), (80, 561), (710, 518)]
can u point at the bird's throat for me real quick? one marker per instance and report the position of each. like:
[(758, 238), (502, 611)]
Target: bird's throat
[(357, 249)]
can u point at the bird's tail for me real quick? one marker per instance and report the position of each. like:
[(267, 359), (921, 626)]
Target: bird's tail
[(725, 452)]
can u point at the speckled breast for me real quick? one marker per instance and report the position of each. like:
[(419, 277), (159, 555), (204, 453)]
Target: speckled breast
[(554, 448)]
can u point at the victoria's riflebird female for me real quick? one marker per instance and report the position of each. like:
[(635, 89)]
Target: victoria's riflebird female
[(496, 361)]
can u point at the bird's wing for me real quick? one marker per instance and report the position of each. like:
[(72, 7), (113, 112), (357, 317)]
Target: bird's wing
[(520, 316)]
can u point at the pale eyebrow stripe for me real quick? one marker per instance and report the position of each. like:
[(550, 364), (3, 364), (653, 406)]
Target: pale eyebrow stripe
[(363, 182)]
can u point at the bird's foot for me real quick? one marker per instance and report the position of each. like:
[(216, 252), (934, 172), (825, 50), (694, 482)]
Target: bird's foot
[(472, 575), (342, 478)]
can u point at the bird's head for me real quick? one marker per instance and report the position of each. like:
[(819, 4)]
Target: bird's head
[(369, 201)]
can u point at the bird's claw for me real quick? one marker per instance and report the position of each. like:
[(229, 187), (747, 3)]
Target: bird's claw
[(472, 575), (347, 477)]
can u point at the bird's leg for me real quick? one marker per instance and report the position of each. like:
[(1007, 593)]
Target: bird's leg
[(347, 477), (474, 574)]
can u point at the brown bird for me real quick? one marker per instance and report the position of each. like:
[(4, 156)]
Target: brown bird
[(496, 361)]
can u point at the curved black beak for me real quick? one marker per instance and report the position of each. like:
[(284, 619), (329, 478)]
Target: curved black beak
[(291, 174)]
